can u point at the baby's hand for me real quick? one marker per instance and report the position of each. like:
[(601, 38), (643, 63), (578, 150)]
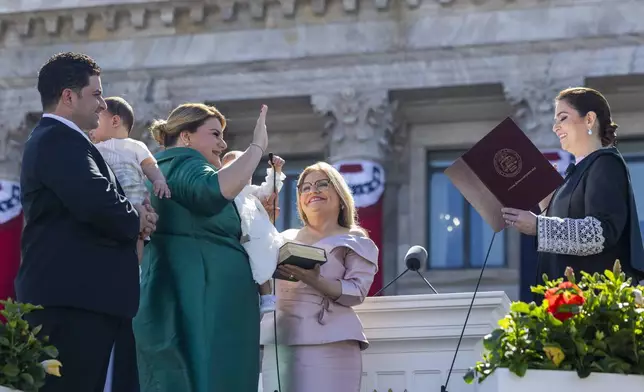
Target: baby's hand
[(161, 189), (278, 163)]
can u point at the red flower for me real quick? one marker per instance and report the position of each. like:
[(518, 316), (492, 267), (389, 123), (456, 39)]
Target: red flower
[(563, 299)]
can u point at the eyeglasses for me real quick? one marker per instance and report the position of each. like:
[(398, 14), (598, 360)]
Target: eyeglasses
[(319, 185)]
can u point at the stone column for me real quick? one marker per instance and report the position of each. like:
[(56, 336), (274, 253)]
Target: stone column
[(359, 131), (360, 126), (532, 99)]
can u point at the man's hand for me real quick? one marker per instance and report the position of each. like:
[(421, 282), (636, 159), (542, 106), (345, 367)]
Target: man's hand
[(147, 218)]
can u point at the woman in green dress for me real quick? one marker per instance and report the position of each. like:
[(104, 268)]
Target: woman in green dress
[(197, 329)]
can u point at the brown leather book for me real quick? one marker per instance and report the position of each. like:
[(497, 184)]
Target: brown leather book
[(504, 169)]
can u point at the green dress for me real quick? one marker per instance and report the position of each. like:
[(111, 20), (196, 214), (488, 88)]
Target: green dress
[(197, 329)]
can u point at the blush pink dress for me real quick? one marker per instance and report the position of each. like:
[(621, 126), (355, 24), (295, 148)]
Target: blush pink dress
[(320, 340)]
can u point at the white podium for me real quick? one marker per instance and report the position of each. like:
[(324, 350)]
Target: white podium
[(413, 338)]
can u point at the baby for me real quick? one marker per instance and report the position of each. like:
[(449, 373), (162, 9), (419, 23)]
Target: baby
[(259, 237), (130, 159)]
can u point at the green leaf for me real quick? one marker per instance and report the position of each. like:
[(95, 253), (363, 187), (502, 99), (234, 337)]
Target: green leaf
[(10, 370), (491, 341), (28, 378), (37, 330), (520, 307), (50, 351), (470, 376)]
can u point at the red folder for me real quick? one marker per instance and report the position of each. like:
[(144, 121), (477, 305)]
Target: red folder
[(504, 169)]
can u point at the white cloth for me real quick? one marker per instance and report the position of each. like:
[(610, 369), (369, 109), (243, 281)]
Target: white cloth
[(67, 122), (260, 238), (125, 157)]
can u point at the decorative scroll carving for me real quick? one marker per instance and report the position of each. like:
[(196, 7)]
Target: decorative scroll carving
[(13, 135), (361, 124), (533, 102)]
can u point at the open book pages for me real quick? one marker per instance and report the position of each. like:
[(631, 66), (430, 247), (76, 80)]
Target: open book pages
[(291, 249)]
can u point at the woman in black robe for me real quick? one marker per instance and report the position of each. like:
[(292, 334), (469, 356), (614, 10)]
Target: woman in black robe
[(591, 220)]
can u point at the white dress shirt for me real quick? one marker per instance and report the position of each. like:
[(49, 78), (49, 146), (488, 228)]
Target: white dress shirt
[(67, 122)]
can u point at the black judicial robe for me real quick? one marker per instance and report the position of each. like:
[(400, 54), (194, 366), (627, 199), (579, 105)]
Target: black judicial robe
[(591, 221)]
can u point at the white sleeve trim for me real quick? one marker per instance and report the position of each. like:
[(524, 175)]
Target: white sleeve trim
[(266, 188), (577, 237)]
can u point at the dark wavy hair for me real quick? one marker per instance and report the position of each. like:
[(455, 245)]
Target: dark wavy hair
[(64, 71), (585, 100)]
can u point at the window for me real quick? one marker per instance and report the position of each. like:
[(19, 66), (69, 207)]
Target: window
[(457, 235), (636, 169), (288, 217), (632, 152)]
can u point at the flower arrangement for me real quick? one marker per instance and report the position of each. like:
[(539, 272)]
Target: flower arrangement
[(21, 350), (594, 326)]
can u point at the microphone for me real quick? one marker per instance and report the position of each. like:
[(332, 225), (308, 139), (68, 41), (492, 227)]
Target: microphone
[(415, 257)]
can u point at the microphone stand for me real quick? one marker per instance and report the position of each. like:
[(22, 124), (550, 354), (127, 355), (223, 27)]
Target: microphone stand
[(411, 266), (467, 317), (273, 218)]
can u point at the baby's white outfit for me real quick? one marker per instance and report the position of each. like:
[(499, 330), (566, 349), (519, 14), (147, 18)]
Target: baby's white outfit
[(125, 157), (260, 238)]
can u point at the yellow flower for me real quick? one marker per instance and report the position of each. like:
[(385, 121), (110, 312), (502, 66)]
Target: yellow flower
[(52, 366), (554, 354)]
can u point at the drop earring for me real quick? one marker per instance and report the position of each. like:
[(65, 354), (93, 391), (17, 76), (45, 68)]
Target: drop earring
[(590, 131)]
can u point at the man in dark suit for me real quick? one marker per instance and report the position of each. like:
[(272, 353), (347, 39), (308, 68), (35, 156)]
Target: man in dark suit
[(79, 242)]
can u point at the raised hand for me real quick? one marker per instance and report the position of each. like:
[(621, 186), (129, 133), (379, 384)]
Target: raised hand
[(260, 136), (277, 163)]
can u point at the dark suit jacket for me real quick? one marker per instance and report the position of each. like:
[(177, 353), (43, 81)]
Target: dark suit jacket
[(79, 241)]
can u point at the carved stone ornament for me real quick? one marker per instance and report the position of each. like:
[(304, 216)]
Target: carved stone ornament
[(361, 124), (534, 106), (145, 113), (13, 135)]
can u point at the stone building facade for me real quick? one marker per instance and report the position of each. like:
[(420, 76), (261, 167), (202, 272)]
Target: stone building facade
[(407, 83)]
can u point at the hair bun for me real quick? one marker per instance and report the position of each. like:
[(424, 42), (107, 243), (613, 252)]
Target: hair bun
[(609, 136), (159, 131)]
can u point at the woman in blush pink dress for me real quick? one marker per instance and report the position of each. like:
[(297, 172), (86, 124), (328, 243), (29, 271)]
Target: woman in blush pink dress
[(319, 336)]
